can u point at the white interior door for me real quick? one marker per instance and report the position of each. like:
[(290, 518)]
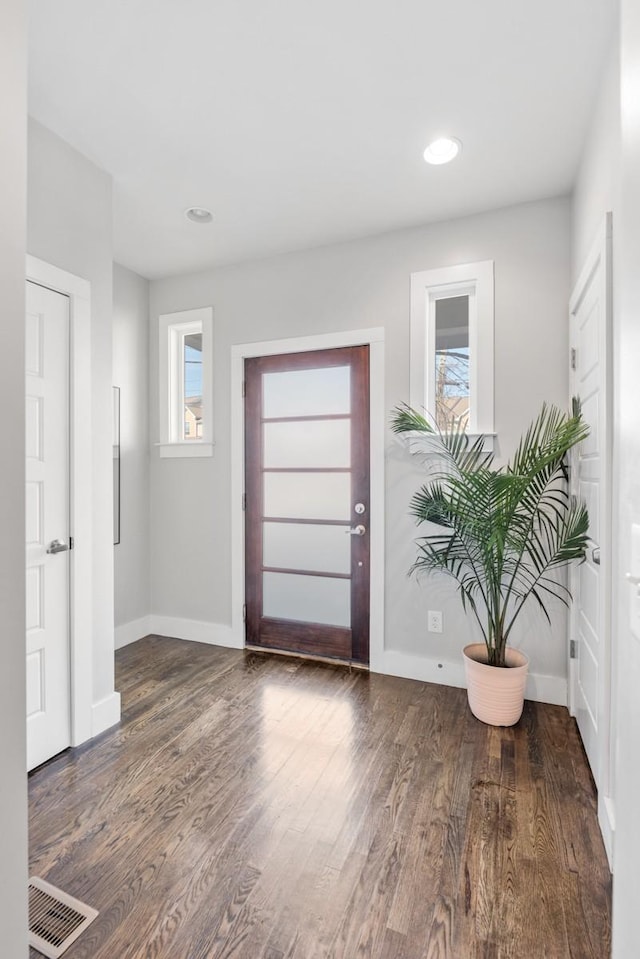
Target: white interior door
[(590, 480), (47, 523)]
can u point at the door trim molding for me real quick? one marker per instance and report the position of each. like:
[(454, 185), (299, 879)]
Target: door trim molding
[(600, 254), (80, 491), (374, 338)]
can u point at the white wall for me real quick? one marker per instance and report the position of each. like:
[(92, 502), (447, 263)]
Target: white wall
[(626, 936), (13, 793), (609, 179), (597, 191), (131, 373), (596, 185), (349, 286), (69, 224)]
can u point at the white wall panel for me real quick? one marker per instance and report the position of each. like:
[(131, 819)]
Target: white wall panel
[(69, 225), (13, 161), (132, 570), (626, 299)]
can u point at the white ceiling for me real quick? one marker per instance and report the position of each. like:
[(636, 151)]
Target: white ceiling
[(303, 122)]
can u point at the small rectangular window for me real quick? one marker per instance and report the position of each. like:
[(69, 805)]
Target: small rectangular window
[(452, 361), (186, 383), (192, 385), (452, 347)]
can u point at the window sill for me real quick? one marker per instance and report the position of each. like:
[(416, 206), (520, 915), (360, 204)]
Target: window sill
[(187, 449), (418, 442), (489, 440)]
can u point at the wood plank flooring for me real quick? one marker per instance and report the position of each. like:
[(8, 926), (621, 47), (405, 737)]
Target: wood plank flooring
[(256, 807)]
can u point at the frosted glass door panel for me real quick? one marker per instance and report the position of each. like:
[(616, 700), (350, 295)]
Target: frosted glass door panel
[(308, 444), (308, 495), (307, 467), (307, 392), (326, 549), (308, 599)]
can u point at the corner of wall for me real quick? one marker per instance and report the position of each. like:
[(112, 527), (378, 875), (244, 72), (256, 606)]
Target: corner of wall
[(13, 163)]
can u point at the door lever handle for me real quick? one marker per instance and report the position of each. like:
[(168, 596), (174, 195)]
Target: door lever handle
[(57, 546), (595, 555), (358, 530)]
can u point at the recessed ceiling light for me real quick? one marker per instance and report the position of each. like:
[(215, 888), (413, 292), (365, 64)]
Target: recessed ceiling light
[(442, 150), (198, 214)]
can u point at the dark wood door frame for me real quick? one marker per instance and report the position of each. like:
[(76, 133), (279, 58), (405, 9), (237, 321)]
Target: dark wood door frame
[(333, 641)]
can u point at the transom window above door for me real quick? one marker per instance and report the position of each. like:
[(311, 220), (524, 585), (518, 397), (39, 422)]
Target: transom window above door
[(452, 345)]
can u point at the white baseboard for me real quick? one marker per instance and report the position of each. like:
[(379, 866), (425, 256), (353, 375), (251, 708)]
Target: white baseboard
[(132, 631), (105, 713), (391, 662), (540, 688), (607, 823), (214, 634), (547, 689)]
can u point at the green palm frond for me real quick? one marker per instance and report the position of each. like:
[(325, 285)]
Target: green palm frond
[(456, 450), (501, 534), (408, 420)]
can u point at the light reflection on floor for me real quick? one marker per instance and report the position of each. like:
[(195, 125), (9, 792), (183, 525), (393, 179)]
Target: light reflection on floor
[(306, 759)]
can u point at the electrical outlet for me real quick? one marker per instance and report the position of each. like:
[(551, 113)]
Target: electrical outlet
[(434, 621)]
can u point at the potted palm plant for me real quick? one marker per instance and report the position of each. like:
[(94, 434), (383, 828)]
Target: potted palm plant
[(502, 534)]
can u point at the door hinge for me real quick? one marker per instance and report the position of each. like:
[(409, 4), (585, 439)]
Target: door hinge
[(573, 649), (244, 612), (574, 358), (71, 542), (244, 501), (244, 388)]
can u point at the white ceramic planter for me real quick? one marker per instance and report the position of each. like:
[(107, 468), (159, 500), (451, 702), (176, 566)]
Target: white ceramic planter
[(496, 696)]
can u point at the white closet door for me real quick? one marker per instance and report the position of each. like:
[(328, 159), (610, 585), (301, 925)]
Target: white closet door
[(47, 523)]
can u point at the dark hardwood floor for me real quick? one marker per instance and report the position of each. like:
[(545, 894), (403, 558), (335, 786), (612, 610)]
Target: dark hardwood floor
[(256, 807)]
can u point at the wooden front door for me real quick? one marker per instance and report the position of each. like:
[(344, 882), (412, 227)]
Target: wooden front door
[(307, 502)]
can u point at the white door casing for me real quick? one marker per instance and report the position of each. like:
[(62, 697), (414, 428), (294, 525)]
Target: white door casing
[(590, 621), (47, 521)]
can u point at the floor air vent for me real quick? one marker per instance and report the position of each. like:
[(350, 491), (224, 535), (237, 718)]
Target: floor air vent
[(55, 919)]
